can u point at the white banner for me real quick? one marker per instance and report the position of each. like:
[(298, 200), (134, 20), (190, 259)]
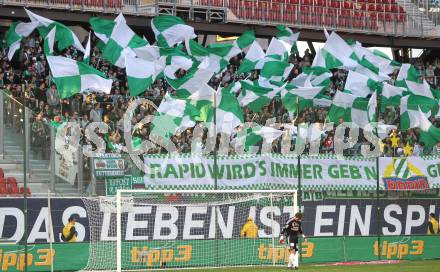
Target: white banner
[(66, 166)]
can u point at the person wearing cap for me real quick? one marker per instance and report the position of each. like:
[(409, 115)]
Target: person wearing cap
[(69, 233), (433, 226), (249, 229)]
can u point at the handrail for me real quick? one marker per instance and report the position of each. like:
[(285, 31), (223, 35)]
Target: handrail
[(302, 13)]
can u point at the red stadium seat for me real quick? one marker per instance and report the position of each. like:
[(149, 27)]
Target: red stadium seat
[(3, 189), (290, 13), (22, 191), (388, 17), (2, 173), (13, 190), (380, 16), (394, 8), (11, 181), (276, 11), (348, 5), (364, 7)]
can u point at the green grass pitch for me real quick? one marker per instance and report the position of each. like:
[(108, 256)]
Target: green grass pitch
[(404, 266)]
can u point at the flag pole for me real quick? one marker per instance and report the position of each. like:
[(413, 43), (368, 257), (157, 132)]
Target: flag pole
[(377, 171), (299, 191), (215, 138)]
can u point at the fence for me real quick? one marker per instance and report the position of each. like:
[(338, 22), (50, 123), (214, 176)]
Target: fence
[(385, 18)]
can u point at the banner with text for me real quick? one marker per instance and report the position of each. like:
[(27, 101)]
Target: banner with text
[(328, 217), (283, 171), (143, 255)]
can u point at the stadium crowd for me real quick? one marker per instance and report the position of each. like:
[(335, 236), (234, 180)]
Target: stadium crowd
[(27, 77)]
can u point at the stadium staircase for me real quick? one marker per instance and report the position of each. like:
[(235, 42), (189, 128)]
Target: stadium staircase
[(39, 176), (412, 10)]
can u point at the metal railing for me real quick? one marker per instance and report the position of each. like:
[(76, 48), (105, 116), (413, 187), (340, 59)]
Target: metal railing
[(27, 142), (358, 16)]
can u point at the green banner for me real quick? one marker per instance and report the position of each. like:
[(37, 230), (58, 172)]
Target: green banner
[(226, 252), (112, 184), (109, 165), (66, 256), (232, 252)]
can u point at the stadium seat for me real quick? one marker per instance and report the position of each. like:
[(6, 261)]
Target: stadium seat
[(276, 13), (11, 186), (11, 180), (348, 5), (3, 189), (290, 14), (22, 191), (364, 14), (2, 173), (394, 9)]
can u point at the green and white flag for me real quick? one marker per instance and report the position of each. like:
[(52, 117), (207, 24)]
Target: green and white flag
[(254, 96), (274, 70), (391, 95), (359, 85), (286, 34), (103, 28), (372, 107), (15, 34), (215, 57), (291, 95), (49, 41), (278, 50), (141, 74), (173, 115), (317, 76), (64, 36), (246, 39), (121, 42), (416, 102), (429, 134), (203, 99), (374, 61), (369, 69), (171, 30), (336, 53), (86, 58), (407, 72), (229, 113), (350, 108), (149, 52), (254, 59), (322, 101), (421, 89), (175, 59), (255, 135), (72, 77), (195, 80)]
